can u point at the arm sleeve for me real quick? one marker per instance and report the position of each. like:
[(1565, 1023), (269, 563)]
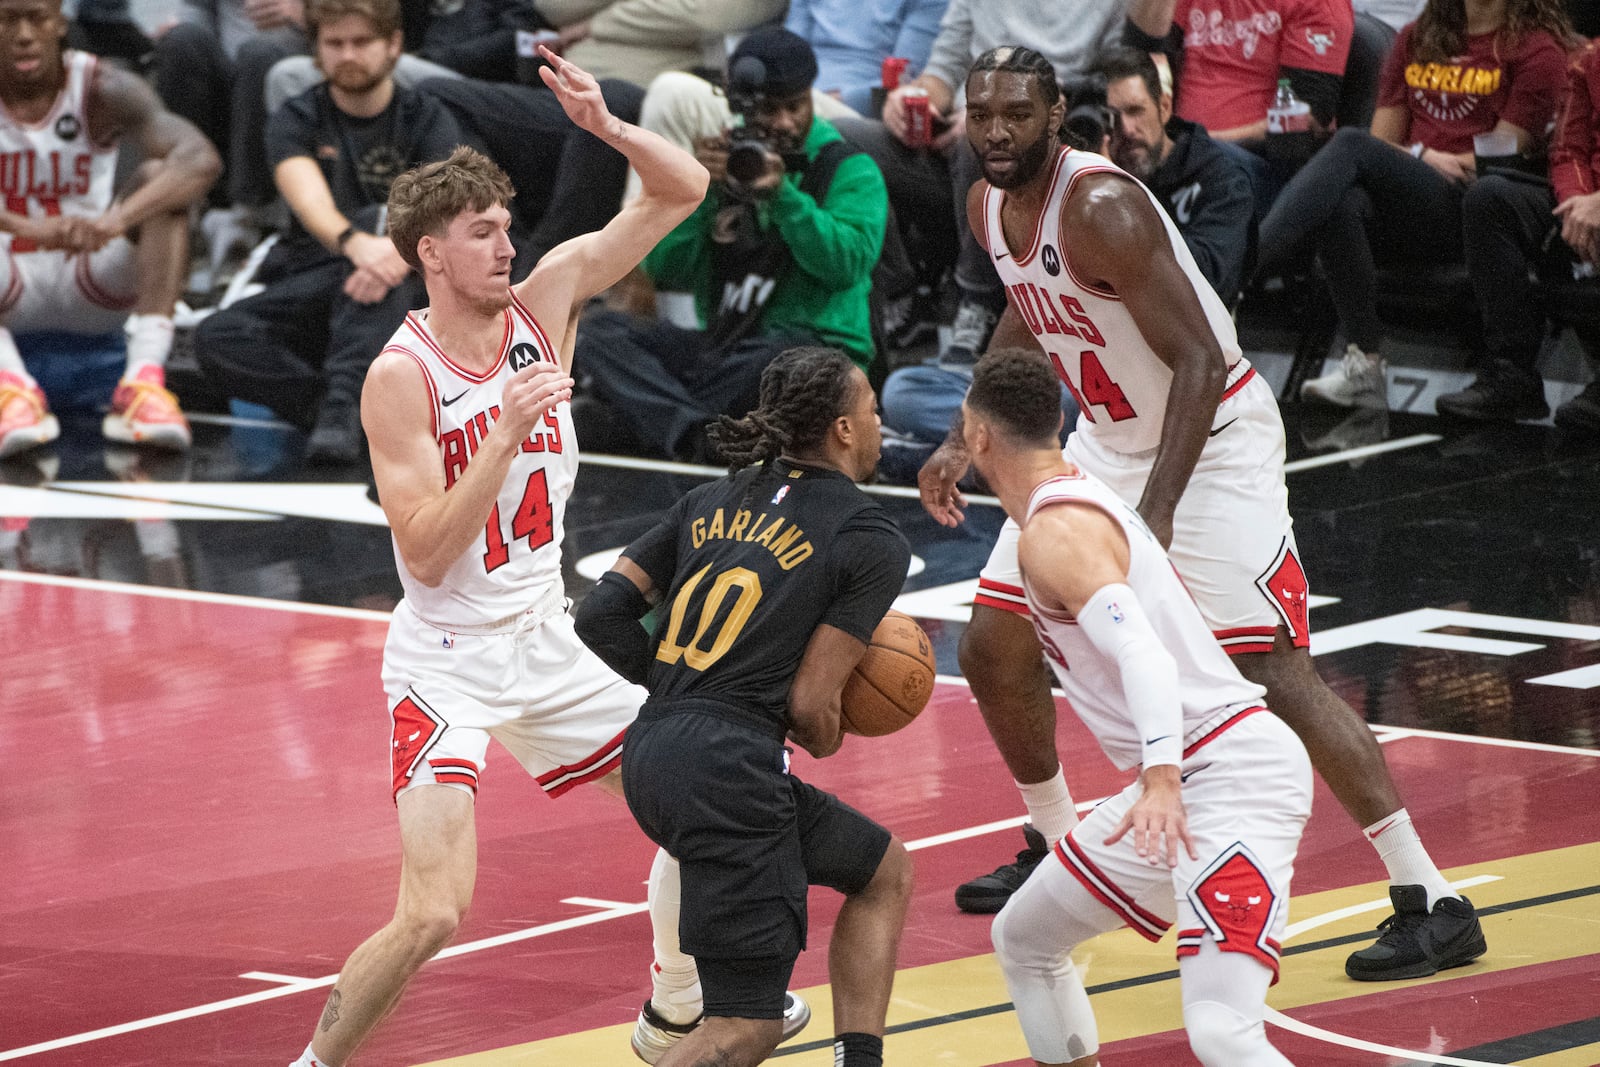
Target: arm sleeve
[(608, 622), (1537, 81), (869, 558), (1218, 231), (1317, 88), (952, 48), (838, 241), (1573, 152), (1115, 623)]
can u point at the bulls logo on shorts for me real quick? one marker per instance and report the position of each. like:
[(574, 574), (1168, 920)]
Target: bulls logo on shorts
[(67, 127), (1284, 583), (416, 728), (522, 355), (1051, 260), (1237, 907)]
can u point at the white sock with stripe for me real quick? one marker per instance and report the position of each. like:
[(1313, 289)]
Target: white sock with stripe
[(1050, 807), (149, 340), (308, 1060), (1407, 861), (675, 982), (10, 357)]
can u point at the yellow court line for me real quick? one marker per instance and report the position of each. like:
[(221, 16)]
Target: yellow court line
[(1540, 935), (1582, 1056)]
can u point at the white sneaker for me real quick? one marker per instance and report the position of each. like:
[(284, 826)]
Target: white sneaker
[(653, 1035), (1360, 382)]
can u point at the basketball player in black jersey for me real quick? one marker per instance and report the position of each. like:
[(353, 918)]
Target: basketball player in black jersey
[(770, 582)]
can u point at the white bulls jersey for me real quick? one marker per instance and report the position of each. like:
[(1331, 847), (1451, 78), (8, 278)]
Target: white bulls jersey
[(515, 562), (1208, 682), (1120, 384), (53, 168)]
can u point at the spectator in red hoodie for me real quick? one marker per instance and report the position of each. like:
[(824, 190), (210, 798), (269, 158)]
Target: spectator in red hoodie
[(1510, 225)]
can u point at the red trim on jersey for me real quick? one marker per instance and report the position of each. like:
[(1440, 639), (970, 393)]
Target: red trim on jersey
[(1238, 385), (450, 771), (55, 106), (1011, 598), (421, 331), (427, 380), (1003, 605), (95, 293), (600, 763), (1066, 260), (1246, 640), (88, 99), (14, 290), (1148, 926), (1227, 724), (533, 324), (1038, 223)]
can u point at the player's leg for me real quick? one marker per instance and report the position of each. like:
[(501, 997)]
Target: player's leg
[(25, 419), (1224, 1002), (1002, 662), (153, 271), (439, 846)]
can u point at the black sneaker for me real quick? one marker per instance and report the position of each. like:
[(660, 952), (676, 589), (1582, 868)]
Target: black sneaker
[(1581, 414), (988, 894), (336, 439), (1502, 392), (1417, 943)]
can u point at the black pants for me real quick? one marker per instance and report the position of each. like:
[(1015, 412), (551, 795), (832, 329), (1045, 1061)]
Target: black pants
[(224, 98), (568, 182), (302, 342), (1360, 202), (1507, 225), (659, 379)]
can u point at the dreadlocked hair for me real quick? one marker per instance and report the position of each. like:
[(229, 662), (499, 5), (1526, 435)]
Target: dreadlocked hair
[(1015, 59), (1441, 31), (802, 392)]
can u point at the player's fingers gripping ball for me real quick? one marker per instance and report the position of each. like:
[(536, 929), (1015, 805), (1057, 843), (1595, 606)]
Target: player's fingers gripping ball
[(892, 683)]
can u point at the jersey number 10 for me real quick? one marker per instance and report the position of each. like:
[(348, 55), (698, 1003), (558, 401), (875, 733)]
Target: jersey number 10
[(748, 584)]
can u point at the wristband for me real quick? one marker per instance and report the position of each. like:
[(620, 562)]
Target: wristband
[(344, 237), (1417, 149)]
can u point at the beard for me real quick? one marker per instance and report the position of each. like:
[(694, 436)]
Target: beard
[(1135, 157), (356, 79), (1029, 162)]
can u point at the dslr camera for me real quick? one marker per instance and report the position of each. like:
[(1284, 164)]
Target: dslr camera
[(1089, 119), (750, 140)]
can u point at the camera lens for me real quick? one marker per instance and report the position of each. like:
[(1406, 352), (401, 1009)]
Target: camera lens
[(747, 160)]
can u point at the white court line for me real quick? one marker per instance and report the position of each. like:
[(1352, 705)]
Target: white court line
[(268, 976), (162, 593), (1384, 904), (1361, 453), (1493, 742), (1295, 1026)]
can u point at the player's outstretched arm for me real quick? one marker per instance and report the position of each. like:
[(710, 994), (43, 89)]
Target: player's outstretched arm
[(122, 105), (434, 526), (673, 184), (1120, 241)]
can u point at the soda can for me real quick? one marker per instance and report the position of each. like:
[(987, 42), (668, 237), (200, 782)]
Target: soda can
[(919, 117), (894, 68)]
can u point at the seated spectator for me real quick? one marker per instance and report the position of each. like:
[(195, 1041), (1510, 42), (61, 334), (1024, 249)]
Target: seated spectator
[(1204, 191), (74, 257), (777, 256), (1509, 225), (106, 28), (335, 286), (928, 185), (639, 39), (1394, 195)]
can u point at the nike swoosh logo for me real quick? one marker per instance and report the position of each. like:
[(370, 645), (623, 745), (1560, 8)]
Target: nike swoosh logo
[(1002, 255), (1224, 426), (1153, 740), (458, 396)]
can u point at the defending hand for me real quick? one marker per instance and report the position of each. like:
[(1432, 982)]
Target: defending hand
[(936, 481)]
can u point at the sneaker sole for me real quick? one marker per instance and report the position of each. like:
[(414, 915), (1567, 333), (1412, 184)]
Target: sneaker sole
[(21, 440), (981, 904), (174, 438), (650, 1045), (1424, 969)]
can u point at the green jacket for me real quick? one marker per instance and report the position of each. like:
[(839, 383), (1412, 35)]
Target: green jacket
[(834, 246)]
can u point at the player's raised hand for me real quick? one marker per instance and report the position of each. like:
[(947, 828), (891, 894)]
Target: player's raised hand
[(1157, 819), (578, 92), (936, 481), (534, 390)]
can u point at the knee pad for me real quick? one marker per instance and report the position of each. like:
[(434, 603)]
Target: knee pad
[(1221, 1037)]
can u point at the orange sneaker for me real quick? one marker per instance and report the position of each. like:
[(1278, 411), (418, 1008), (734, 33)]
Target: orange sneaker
[(144, 413), (25, 421)]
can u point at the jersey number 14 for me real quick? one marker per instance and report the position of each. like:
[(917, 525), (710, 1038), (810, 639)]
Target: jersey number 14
[(531, 521)]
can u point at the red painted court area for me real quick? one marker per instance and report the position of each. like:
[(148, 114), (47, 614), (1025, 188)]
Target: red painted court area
[(196, 830)]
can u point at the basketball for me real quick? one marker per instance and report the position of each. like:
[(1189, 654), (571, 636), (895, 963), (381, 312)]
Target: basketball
[(893, 681)]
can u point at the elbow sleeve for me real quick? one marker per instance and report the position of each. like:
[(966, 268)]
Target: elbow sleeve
[(608, 622), (1115, 622)]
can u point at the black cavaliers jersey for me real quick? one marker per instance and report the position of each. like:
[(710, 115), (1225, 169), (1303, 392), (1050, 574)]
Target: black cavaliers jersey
[(753, 563)]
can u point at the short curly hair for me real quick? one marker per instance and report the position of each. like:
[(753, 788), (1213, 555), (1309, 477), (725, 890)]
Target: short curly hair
[(1016, 389), (425, 199)]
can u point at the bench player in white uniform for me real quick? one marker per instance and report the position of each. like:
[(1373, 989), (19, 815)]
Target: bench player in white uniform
[(1207, 835), (1177, 423), (73, 257), (474, 457)]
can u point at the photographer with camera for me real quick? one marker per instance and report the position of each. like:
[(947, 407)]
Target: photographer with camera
[(780, 254)]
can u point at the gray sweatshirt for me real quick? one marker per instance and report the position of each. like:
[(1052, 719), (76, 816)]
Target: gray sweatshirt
[(1069, 33)]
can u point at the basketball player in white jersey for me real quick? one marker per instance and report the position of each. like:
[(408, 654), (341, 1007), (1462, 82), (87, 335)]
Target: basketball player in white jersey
[(73, 256), (1177, 423), (1207, 835), (473, 454)]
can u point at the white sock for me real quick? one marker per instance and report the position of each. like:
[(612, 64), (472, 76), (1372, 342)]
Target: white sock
[(10, 358), (149, 340), (1407, 861), (308, 1060), (674, 979), (1050, 807)]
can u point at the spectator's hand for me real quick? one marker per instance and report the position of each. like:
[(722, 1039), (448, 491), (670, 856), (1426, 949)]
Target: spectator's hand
[(1157, 818), (712, 154), (571, 35), (532, 391), (765, 185), (955, 131), (272, 14), (365, 287), (936, 481), (1462, 170), (1580, 225), (378, 256), (578, 92)]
